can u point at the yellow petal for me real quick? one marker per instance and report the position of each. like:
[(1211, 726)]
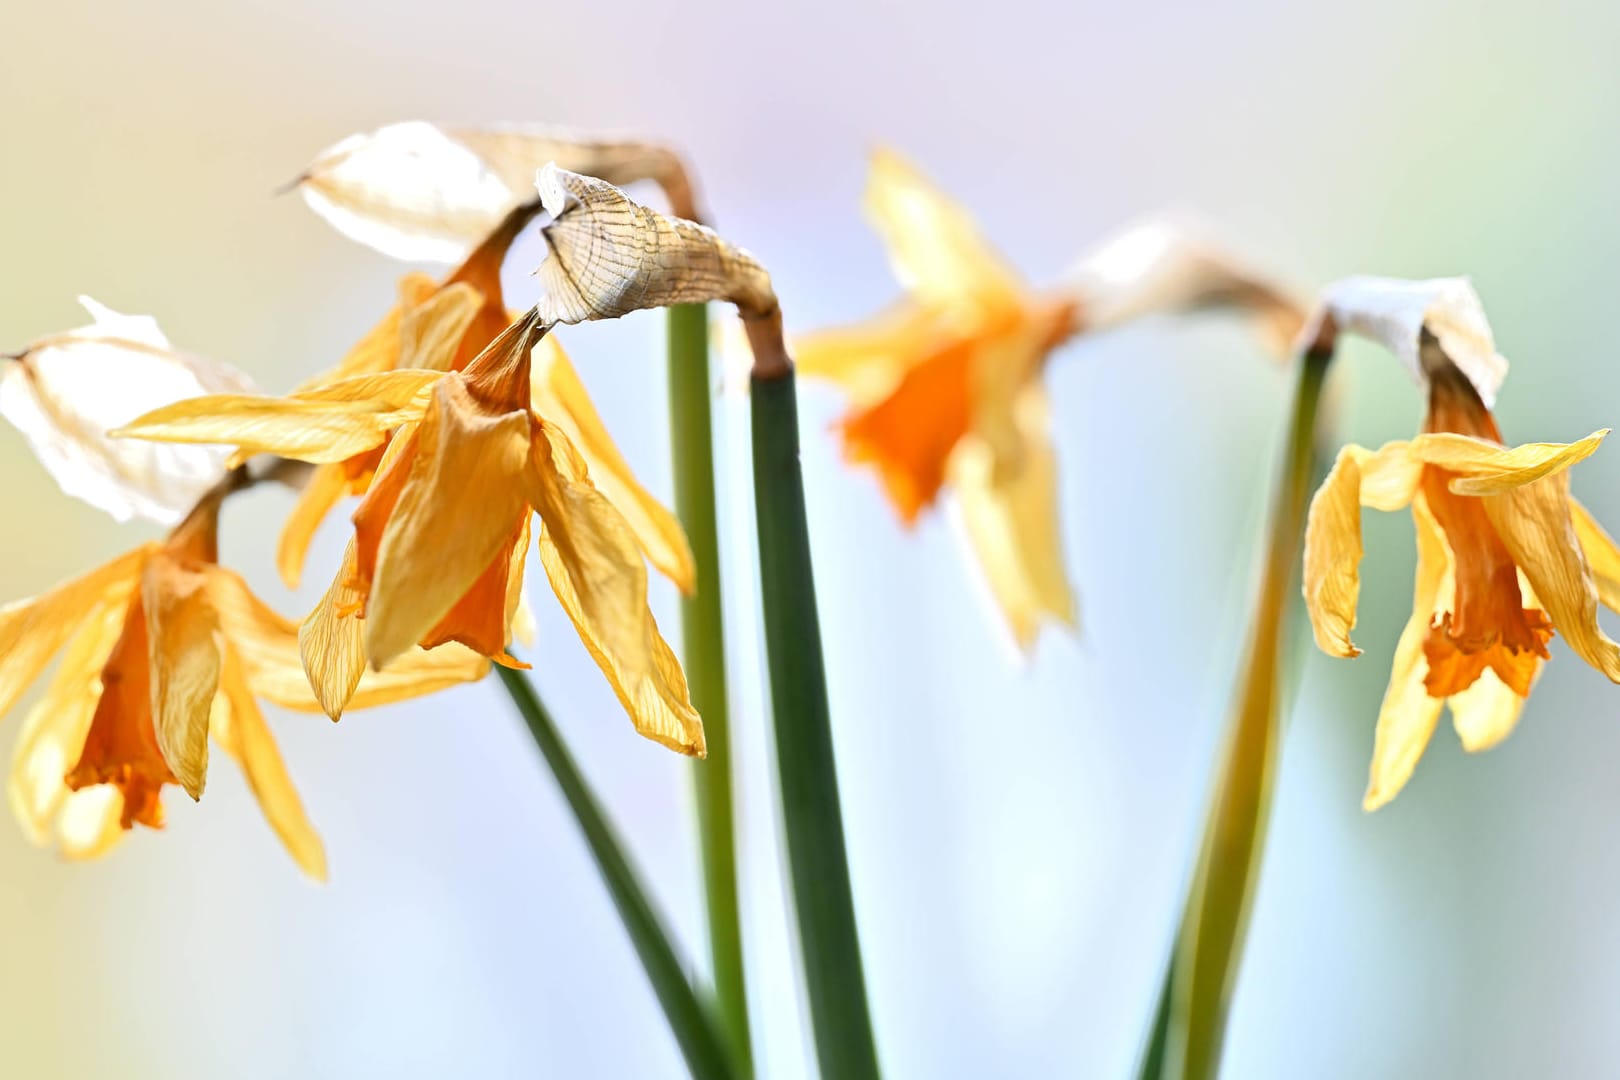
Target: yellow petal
[(268, 647), (461, 503), (430, 333), (1386, 480), (867, 360), (1485, 713), (90, 822), (1534, 522), (1602, 555), (1408, 715), (936, 249), (559, 396), (332, 642), (596, 570), (1485, 468), (52, 736), (324, 425), (180, 625), (519, 615), (1011, 519), (323, 489), (242, 733), (32, 630)]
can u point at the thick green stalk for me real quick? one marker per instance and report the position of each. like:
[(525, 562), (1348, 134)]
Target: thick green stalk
[(689, 1016), (703, 645), (807, 772), (1190, 1021)]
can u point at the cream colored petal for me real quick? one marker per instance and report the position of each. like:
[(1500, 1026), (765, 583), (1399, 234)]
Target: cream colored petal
[(324, 425), (460, 505), (1011, 519), (1407, 718), (430, 333), (936, 249), (596, 570), (241, 732), (1485, 468), (90, 823), (31, 631), (607, 256), (408, 190), (68, 390), (268, 647), (1534, 522), (325, 486), (1602, 554), (560, 397), (516, 154), (867, 360), (52, 736), (180, 626)]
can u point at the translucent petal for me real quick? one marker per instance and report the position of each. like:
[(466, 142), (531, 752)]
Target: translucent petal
[(323, 425), (1408, 715), (430, 333), (90, 822), (1484, 468), (1602, 554), (1332, 579), (241, 732), (868, 360), (560, 397), (325, 486), (596, 570), (461, 503), (936, 249), (180, 625), (1534, 522), (1012, 521)]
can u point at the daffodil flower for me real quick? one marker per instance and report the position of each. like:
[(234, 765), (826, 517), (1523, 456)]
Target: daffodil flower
[(947, 387), (1506, 556), (161, 649), (65, 391), (442, 533)]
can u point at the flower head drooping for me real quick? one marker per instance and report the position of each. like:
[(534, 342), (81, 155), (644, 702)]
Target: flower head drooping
[(163, 648), (1505, 556), (947, 385), (421, 192), (65, 391)]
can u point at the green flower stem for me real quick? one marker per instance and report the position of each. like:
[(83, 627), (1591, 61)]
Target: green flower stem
[(807, 772), (1190, 1021), (703, 645), (689, 1016)]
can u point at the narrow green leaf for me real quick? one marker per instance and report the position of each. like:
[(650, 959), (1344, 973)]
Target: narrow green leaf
[(807, 772), (703, 648), (696, 1030)]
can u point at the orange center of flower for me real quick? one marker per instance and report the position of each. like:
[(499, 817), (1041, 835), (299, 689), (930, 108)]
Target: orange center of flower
[(1488, 625), (121, 748)]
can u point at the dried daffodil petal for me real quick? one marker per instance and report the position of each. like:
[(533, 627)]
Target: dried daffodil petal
[(1416, 319), (1602, 554), (323, 425), (180, 628), (1486, 468), (596, 570), (66, 391), (325, 486), (416, 191), (560, 397), (607, 256), (239, 728), (1408, 715)]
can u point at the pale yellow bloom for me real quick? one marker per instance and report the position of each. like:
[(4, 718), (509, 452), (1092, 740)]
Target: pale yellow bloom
[(443, 530), (162, 649), (1505, 555), (947, 385)]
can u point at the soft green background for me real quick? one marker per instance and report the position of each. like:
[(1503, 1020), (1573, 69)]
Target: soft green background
[(1019, 832)]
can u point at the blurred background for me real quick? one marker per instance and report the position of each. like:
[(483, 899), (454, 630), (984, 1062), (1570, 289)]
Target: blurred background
[(1020, 831)]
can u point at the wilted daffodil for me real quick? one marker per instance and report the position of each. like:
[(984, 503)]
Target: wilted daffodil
[(441, 535), (1505, 555), (947, 385), (420, 192), (163, 648), (65, 391)]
